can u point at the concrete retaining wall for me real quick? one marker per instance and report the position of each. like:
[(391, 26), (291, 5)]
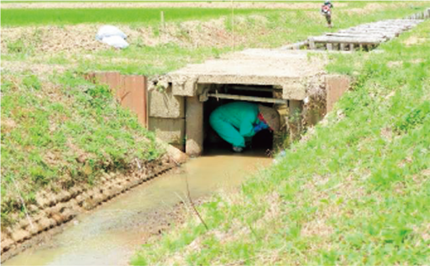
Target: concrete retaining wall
[(194, 126), (175, 107), (187, 132), (163, 104), (169, 130), (167, 115), (57, 209)]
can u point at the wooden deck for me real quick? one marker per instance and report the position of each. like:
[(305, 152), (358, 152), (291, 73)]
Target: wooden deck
[(362, 37)]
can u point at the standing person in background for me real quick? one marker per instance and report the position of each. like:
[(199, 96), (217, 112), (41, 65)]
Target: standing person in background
[(326, 11), (238, 122)]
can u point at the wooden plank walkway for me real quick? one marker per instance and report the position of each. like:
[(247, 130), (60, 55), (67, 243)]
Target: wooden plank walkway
[(363, 37)]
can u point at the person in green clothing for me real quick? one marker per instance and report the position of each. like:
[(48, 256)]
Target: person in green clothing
[(237, 121)]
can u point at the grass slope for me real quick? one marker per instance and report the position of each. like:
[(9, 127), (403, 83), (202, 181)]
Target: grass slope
[(355, 191), (60, 133)]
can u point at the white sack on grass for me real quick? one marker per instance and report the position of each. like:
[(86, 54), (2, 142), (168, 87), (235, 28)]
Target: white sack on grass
[(109, 31), (115, 41)]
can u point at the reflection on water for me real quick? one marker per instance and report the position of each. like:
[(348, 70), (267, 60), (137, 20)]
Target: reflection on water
[(110, 234)]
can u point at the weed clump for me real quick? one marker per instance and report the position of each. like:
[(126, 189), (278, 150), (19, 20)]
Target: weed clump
[(415, 117)]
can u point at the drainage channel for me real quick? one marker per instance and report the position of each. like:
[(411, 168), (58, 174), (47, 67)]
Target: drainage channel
[(110, 234)]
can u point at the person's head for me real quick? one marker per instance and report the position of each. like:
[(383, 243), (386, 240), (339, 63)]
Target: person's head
[(327, 3), (270, 117)]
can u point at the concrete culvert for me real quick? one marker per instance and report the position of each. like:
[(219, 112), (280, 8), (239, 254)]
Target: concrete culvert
[(293, 82)]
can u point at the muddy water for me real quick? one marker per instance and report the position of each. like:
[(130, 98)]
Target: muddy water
[(110, 234)]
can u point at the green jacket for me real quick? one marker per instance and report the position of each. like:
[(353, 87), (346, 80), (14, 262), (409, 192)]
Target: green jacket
[(235, 121)]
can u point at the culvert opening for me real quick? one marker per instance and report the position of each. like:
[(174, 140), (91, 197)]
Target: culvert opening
[(218, 95)]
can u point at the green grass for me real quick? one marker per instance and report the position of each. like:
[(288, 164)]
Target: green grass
[(63, 133), (160, 59), (271, 28), (356, 192), (279, 28), (38, 122), (25, 17)]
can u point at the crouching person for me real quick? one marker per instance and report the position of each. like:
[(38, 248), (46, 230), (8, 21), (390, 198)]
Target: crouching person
[(238, 122)]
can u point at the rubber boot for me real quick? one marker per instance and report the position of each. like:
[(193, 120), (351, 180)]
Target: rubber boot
[(237, 149)]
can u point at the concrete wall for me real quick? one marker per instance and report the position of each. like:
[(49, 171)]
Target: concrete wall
[(163, 104), (283, 110), (167, 116), (169, 130), (194, 126)]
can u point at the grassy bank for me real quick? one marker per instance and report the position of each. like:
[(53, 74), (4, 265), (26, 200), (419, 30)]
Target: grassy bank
[(270, 30), (58, 133), (155, 49), (354, 191)]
